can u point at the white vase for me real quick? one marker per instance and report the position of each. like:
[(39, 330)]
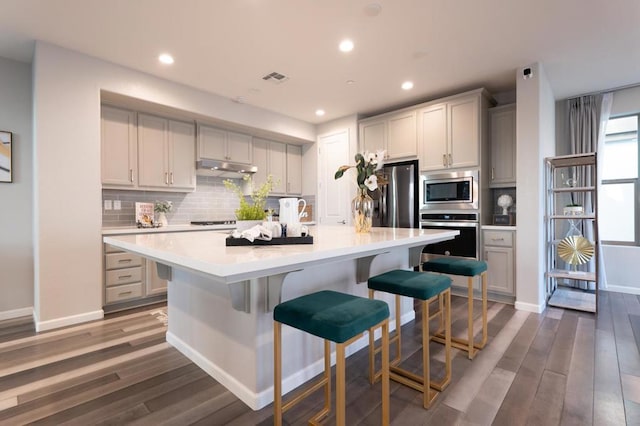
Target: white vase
[(162, 219), (242, 225)]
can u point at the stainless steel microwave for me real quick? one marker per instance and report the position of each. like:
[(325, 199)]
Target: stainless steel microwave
[(450, 191)]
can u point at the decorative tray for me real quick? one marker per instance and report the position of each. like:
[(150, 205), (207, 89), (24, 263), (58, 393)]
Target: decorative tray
[(230, 241)]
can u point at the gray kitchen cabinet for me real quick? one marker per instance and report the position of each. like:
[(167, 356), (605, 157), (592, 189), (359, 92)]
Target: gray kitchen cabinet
[(154, 285), (280, 160), (394, 132), (294, 170), (450, 133), (499, 246), (503, 146), (119, 148), (129, 279), (166, 150), (270, 158), (223, 145)]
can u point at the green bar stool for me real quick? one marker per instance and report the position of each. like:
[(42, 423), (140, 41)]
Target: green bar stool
[(468, 268), (427, 288), (335, 317)]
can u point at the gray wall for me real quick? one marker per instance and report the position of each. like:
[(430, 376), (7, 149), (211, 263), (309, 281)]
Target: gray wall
[(16, 246)]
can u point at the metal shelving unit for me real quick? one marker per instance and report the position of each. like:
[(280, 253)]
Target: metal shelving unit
[(571, 179)]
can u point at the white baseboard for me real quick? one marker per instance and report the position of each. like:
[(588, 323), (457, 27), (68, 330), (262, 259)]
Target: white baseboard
[(65, 321), (258, 400), (16, 313), (622, 289), (530, 307), (238, 389)]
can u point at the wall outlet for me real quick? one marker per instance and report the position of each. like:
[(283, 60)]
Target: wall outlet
[(117, 205), (108, 205)]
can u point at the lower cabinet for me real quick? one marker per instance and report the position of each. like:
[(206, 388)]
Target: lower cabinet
[(129, 278), (499, 249)]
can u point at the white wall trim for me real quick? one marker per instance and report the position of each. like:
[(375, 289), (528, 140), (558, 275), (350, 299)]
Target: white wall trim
[(65, 321), (530, 307), (16, 313), (622, 289)]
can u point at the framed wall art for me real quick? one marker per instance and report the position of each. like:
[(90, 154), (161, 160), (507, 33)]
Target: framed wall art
[(6, 174)]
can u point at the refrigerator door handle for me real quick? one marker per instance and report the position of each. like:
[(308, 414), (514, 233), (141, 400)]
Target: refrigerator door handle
[(383, 206)]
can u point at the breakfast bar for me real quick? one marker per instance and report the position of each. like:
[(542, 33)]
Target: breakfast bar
[(220, 299)]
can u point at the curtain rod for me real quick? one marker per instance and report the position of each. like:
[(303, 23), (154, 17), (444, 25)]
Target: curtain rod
[(615, 89)]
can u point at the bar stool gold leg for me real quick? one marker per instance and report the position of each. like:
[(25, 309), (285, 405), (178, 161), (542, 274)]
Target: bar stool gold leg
[(484, 311), (426, 370), (277, 374), (340, 386), (385, 374), (470, 334)]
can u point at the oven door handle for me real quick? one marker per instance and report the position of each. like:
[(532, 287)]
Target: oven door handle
[(451, 224)]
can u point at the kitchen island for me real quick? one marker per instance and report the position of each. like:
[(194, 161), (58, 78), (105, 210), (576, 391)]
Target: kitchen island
[(220, 298)]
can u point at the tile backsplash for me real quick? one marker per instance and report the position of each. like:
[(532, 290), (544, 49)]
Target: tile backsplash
[(210, 201)]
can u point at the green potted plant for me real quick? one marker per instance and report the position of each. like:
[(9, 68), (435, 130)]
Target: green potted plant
[(252, 207)]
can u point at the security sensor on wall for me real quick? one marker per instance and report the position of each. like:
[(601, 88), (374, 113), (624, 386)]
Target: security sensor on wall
[(527, 73)]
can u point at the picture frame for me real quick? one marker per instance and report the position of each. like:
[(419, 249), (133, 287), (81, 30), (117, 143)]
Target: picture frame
[(6, 166)]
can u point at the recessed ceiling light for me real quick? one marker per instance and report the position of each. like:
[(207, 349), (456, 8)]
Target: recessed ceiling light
[(346, 45), (351, 82), (165, 58), (319, 112), (407, 85)]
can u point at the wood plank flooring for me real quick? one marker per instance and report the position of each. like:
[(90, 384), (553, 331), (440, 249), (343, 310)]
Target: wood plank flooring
[(560, 367)]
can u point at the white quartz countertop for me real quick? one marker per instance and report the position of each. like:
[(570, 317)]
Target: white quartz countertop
[(206, 252), (123, 230)]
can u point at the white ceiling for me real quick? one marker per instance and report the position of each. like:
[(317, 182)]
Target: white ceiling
[(443, 46)]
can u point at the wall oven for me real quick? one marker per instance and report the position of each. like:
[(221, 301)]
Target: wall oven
[(464, 245), (449, 191)]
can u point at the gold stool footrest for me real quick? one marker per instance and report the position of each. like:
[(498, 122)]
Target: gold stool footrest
[(460, 343)]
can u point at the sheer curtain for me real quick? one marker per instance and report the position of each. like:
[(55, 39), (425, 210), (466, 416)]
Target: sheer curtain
[(588, 116)]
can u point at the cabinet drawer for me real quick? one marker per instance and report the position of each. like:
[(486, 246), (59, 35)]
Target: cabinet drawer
[(123, 292), (123, 276), (122, 260), (498, 238)]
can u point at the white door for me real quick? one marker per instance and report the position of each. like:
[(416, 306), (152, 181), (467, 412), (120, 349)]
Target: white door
[(334, 200)]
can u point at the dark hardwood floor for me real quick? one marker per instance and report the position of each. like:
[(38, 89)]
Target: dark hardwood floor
[(561, 367)]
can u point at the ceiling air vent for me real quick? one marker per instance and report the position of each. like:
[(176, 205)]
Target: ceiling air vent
[(275, 77)]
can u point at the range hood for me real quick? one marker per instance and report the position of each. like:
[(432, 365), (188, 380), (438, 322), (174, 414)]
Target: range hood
[(223, 168)]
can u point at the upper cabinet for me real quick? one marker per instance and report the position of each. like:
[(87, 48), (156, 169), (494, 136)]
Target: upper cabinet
[(223, 145), (280, 160), (444, 134), (167, 153), (294, 170), (450, 133), (395, 133), (271, 159), (119, 148), (142, 151), (503, 146)]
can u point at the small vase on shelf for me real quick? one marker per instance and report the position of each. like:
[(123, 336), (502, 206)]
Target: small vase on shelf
[(162, 219), (362, 210)]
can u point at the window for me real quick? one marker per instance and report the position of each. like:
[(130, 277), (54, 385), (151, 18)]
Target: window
[(619, 195)]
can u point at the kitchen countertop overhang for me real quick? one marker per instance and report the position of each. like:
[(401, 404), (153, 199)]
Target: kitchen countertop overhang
[(205, 253)]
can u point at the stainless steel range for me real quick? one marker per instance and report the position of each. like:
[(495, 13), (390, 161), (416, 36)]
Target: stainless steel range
[(213, 222)]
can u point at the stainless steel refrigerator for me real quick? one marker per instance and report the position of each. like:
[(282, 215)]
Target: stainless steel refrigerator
[(396, 203)]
